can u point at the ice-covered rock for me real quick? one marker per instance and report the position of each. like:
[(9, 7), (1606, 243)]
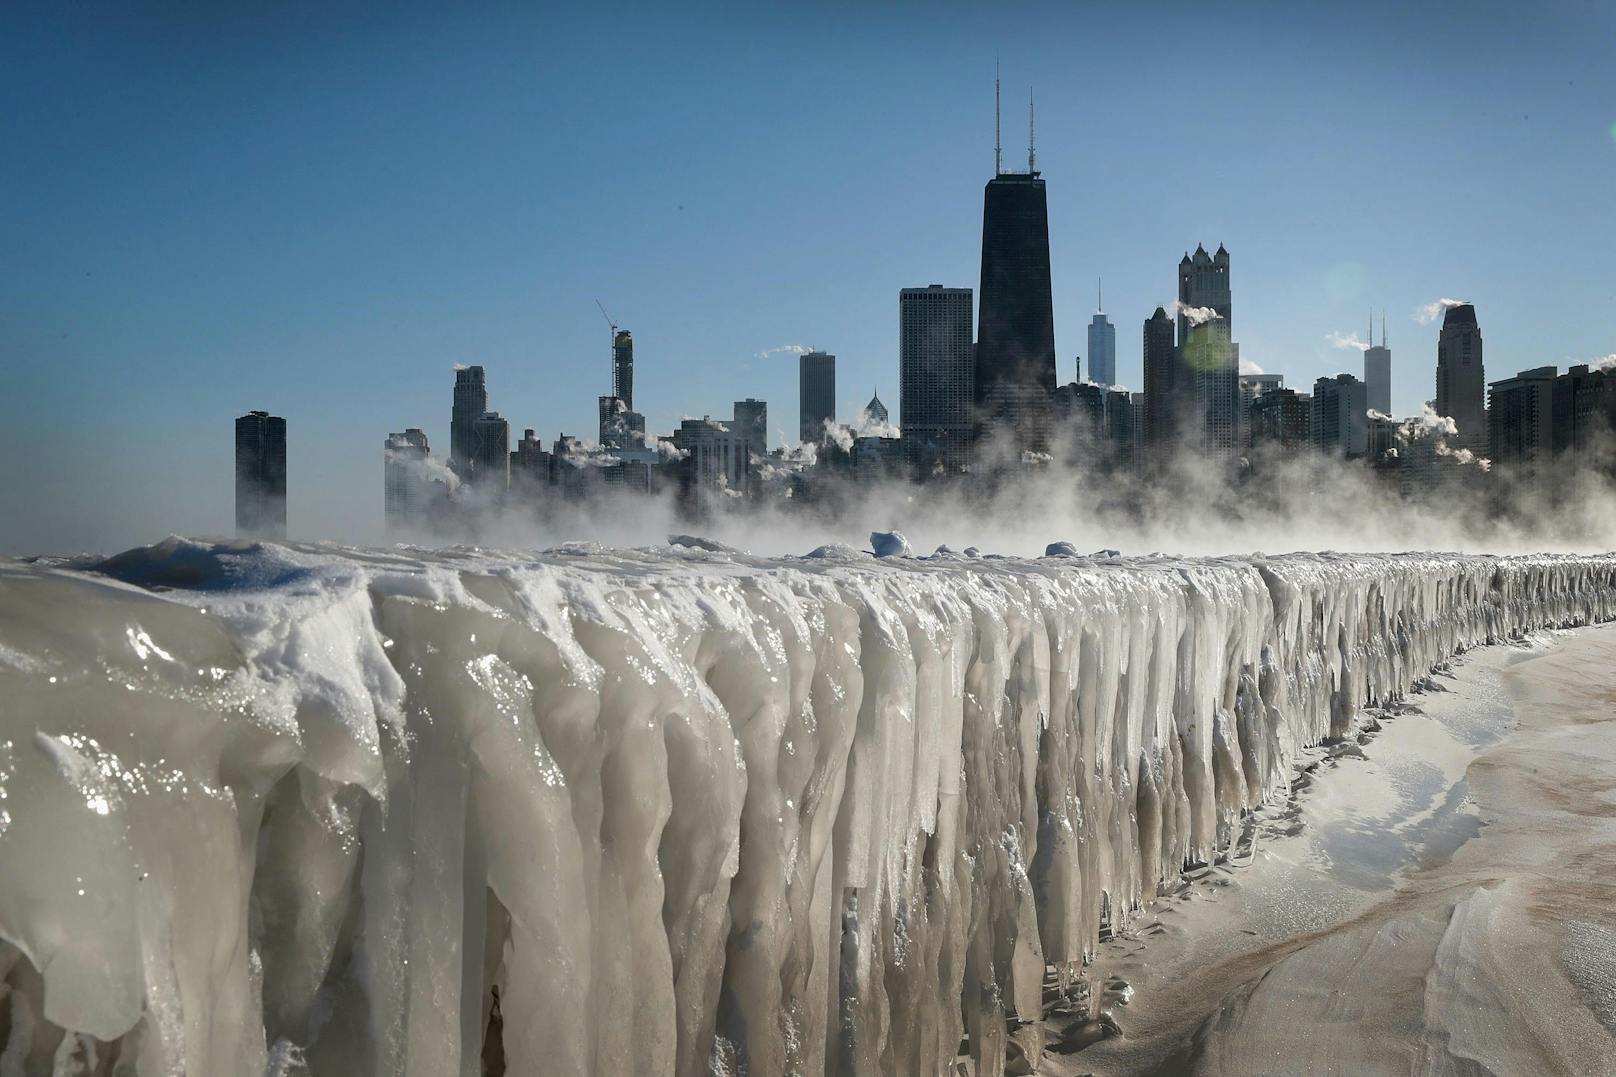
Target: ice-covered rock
[(303, 809), (1060, 549), (890, 544)]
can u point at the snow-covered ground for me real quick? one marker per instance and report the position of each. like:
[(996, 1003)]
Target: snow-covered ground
[(308, 809)]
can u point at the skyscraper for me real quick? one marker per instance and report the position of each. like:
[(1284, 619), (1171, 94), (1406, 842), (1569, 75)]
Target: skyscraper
[(1205, 325), (1164, 388), (936, 374), (491, 451), (1377, 370), (1520, 418), (623, 367), (1461, 383), (816, 395), (1102, 349), (406, 482), (1015, 343), (1340, 419), (752, 424), (261, 475), (470, 402)]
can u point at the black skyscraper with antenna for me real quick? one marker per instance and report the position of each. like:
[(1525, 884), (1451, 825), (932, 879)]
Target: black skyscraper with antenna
[(1015, 348)]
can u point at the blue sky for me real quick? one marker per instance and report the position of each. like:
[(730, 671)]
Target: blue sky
[(211, 208)]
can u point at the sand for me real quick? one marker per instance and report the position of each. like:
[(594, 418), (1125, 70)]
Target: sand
[(1439, 899)]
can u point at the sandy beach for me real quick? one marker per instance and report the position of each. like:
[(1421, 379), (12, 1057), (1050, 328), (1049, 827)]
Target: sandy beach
[(1438, 898)]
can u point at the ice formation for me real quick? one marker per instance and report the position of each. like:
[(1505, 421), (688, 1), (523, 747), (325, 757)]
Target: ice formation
[(293, 810)]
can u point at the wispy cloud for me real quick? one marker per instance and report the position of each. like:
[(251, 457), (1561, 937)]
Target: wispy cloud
[(1607, 363), (1248, 367), (1345, 340), (1432, 311), (787, 349)]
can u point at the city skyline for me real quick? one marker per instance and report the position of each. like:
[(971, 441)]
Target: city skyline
[(181, 313)]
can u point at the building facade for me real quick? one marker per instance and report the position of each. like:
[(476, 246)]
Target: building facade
[(407, 486), (1015, 342), (1208, 352), (1377, 371), (491, 451), (470, 404), (1102, 350), (1341, 416), (1520, 418), (623, 367), (816, 395), (1281, 419), (1166, 389), (1461, 381), (261, 476), (936, 375)]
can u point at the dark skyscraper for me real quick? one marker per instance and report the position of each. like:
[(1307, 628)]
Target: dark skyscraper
[(261, 475), (936, 374), (1461, 383), (816, 396), (1015, 343), (491, 450), (1164, 388), (623, 367), (470, 402)]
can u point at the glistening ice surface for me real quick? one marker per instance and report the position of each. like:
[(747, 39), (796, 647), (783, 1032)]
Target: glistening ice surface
[(304, 809)]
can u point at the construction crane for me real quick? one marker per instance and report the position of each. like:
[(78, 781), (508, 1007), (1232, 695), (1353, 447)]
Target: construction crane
[(608, 318)]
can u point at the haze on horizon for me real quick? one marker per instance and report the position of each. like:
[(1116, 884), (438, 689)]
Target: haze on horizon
[(318, 213)]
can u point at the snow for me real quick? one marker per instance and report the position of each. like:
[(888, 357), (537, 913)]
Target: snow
[(302, 808)]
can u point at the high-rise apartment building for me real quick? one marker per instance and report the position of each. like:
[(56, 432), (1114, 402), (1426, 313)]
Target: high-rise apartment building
[(470, 403), (407, 486), (1461, 382), (816, 395), (261, 475), (1520, 418), (1281, 419), (936, 374), (1340, 416), (490, 458)]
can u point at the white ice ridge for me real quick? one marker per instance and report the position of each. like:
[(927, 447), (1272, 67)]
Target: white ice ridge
[(304, 809)]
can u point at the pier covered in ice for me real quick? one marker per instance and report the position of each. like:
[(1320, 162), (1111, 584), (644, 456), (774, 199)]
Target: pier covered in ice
[(666, 811)]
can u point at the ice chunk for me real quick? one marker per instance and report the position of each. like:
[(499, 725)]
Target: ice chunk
[(890, 544)]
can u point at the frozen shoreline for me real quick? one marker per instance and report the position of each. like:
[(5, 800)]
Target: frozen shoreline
[(1487, 940), (302, 809)]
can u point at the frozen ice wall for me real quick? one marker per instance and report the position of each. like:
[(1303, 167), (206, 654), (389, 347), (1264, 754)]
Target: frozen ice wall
[(667, 811)]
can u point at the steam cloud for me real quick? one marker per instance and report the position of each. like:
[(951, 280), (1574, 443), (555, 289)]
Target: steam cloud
[(1348, 340), (787, 349), (1248, 367), (1432, 311), (1195, 315)]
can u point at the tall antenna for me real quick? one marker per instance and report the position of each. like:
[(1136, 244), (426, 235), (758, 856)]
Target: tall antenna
[(998, 151), (1099, 295), (1371, 327), (1032, 153)]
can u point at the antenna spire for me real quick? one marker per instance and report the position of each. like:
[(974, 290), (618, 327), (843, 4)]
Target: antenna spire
[(1032, 153), (998, 151), (1099, 294)]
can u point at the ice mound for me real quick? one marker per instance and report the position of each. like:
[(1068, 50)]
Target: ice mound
[(890, 544), (304, 810), (1060, 549)]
